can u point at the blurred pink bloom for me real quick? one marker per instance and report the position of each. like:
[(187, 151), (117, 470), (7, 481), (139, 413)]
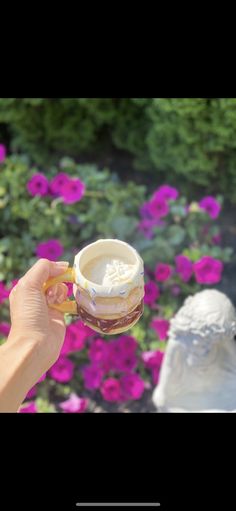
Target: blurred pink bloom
[(152, 292), (146, 226), (4, 292), (155, 375), (73, 191), (163, 272), (62, 370), (29, 408), (92, 375), (216, 240), (132, 386), (3, 152), (74, 404), (32, 392), (161, 327), (111, 390), (211, 206), (5, 328), (158, 207), (75, 339), (144, 210), (126, 362), (98, 350), (208, 270), (153, 360), (128, 343), (42, 378), (70, 288), (175, 290), (51, 249), (13, 284), (58, 182), (167, 192), (184, 267), (38, 185)]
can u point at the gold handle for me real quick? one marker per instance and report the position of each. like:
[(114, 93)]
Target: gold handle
[(69, 306)]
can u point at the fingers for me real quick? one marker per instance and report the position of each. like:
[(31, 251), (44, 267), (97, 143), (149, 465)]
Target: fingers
[(56, 294), (41, 271)]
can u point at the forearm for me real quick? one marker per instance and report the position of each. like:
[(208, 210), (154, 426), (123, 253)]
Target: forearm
[(17, 373)]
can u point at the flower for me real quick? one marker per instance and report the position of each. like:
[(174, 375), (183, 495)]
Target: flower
[(74, 339), (98, 351), (153, 361), (51, 249), (208, 270), (2, 152), (42, 378), (184, 267), (111, 390), (152, 292), (4, 328), (4, 292), (31, 393), (92, 375), (132, 386), (70, 288), (73, 191), (211, 206), (158, 207), (128, 343), (216, 240), (29, 408), (58, 183), (193, 208), (144, 210), (161, 327), (62, 371), (167, 192), (163, 272), (74, 404), (126, 362), (146, 226), (38, 185)]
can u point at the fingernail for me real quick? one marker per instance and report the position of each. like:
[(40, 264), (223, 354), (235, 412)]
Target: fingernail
[(62, 263)]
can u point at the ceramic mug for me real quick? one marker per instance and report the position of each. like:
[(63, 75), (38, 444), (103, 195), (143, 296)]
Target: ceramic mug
[(108, 278)]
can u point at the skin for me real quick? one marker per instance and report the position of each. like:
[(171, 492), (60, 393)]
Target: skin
[(36, 336)]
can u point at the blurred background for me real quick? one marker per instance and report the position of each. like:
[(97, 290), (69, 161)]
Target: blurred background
[(159, 173)]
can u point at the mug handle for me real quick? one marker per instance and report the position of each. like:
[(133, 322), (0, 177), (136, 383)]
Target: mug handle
[(69, 306)]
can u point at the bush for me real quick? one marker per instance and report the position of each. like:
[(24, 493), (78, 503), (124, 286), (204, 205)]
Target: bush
[(166, 226)]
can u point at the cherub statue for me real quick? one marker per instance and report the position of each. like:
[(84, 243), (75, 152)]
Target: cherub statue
[(198, 373)]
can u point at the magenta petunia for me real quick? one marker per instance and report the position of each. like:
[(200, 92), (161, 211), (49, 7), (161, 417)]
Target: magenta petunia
[(75, 339), (32, 392), (146, 226), (158, 207), (111, 390), (98, 351), (5, 328), (216, 240), (211, 206), (132, 386), (152, 358), (161, 327), (208, 270), (29, 408), (73, 191), (128, 344), (74, 404), (38, 185), (126, 362), (51, 249), (42, 378), (163, 272), (3, 152), (145, 211), (184, 267), (152, 292), (92, 375), (4, 292), (63, 370), (166, 192), (70, 288), (58, 183)]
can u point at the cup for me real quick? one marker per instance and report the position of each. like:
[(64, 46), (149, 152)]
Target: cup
[(108, 278)]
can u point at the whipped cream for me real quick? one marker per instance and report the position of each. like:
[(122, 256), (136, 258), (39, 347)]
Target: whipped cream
[(108, 271)]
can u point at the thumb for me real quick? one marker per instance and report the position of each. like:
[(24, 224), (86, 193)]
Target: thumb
[(42, 270)]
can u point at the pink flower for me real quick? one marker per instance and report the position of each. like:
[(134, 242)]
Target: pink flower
[(211, 206), (5, 328), (42, 378), (167, 192), (29, 408), (98, 351), (132, 386), (32, 392), (184, 267), (144, 210), (208, 270), (216, 240), (2, 152), (73, 191), (128, 343), (74, 339), (152, 292), (126, 362), (111, 390), (62, 370), (74, 404), (153, 360), (38, 185), (155, 375), (161, 327), (58, 183), (92, 375), (4, 292), (158, 207), (163, 272), (70, 288), (51, 249), (146, 226)]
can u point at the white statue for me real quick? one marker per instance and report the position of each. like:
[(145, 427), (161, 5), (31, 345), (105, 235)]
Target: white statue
[(198, 373)]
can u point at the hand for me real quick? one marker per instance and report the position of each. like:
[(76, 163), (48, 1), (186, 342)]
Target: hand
[(32, 321)]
